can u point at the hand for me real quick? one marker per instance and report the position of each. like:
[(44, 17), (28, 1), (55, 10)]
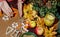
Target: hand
[(5, 8)]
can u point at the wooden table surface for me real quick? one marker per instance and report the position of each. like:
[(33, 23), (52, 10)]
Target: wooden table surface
[(5, 24)]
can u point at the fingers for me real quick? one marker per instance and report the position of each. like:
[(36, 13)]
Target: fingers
[(6, 9)]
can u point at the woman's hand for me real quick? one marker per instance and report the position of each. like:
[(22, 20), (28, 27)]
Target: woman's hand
[(6, 8)]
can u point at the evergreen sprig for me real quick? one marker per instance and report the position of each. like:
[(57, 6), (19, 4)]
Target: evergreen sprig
[(43, 10)]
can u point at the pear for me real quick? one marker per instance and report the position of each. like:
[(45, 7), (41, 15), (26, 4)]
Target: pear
[(49, 19)]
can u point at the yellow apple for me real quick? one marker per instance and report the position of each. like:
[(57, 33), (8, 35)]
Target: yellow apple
[(32, 24)]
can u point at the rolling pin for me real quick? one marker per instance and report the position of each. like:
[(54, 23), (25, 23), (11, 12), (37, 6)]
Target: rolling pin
[(20, 7)]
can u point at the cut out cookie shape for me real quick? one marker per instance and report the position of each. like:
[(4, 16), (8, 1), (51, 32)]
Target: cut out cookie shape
[(5, 18), (9, 30), (14, 33), (14, 24)]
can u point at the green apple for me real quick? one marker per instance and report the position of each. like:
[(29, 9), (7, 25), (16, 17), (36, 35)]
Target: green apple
[(32, 24), (49, 19)]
